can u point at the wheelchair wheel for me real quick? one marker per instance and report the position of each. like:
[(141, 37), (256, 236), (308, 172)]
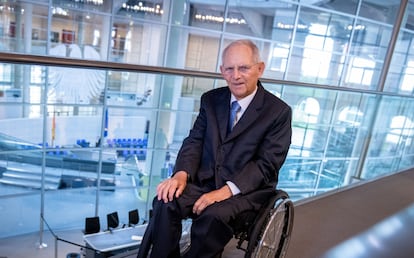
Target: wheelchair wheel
[(185, 241), (272, 237)]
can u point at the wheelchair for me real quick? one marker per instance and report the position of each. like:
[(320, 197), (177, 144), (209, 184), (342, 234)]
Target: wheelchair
[(260, 235), (266, 233)]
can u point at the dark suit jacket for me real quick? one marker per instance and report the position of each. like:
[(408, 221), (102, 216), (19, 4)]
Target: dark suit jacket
[(251, 155)]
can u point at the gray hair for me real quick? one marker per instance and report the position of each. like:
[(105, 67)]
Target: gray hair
[(245, 42)]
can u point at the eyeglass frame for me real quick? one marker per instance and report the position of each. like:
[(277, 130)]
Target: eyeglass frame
[(240, 68)]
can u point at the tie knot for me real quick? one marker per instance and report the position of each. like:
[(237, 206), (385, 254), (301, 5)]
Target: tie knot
[(235, 107)]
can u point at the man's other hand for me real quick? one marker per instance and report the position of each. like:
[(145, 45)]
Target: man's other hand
[(172, 186), (209, 198)]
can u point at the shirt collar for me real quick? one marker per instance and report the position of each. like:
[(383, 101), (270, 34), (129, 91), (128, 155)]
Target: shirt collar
[(244, 102)]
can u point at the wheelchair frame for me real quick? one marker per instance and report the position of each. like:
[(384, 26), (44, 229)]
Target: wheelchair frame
[(268, 233)]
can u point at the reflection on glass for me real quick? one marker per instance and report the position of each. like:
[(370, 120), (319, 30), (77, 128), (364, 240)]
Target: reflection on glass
[(125, 127)]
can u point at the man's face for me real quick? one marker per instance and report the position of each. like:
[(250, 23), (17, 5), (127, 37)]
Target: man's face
[(241, 71)]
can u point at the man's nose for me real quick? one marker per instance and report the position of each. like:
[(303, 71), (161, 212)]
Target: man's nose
[(236, 73)]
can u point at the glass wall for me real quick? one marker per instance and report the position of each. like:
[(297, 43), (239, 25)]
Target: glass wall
[(97, 96)]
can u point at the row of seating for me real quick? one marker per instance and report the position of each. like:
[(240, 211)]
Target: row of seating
[(127, 143), (59, 151), (93, 224), (118, 143), (126, 154), (83, 143)]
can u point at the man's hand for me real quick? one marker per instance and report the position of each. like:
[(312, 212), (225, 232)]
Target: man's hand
[(174, 185), (209, 198)]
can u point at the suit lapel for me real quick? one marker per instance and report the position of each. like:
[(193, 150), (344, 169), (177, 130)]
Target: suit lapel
[(222, 113)]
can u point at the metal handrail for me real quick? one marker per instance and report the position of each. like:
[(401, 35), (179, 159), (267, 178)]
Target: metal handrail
[(30, 59)]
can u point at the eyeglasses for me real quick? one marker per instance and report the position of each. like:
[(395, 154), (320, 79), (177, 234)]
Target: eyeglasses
[(240, 69)]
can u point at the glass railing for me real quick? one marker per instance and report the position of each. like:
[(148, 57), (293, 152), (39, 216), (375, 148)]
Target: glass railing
[(81, 138)]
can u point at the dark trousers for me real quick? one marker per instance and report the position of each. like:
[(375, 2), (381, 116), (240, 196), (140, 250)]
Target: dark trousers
[(210, 231)]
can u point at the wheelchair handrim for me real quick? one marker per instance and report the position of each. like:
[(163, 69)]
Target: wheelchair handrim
[(274, 237)]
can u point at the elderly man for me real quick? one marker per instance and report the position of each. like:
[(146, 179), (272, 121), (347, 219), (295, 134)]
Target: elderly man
[(228, 164)]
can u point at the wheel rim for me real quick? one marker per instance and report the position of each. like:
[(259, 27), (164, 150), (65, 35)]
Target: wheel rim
[(274, 237)]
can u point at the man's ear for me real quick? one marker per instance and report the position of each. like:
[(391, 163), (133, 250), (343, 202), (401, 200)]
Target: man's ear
[(262, 67), (221, 69)]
